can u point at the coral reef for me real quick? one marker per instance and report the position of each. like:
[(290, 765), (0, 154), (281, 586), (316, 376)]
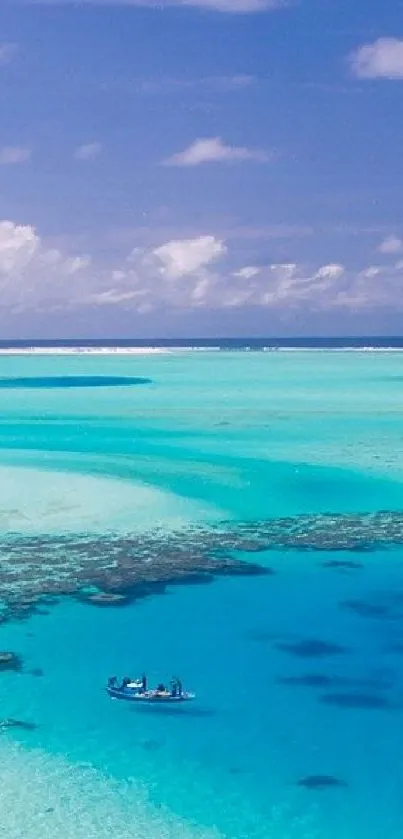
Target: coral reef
[(115, 569)]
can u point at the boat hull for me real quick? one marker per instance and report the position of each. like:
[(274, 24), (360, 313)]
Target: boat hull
[(185, 697), (117, 693), (150, 697)]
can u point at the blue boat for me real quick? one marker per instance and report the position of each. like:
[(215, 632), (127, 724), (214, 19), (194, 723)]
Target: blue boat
[(136, 691)]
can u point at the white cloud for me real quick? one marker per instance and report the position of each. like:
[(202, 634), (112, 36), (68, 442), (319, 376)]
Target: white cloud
[(330, 272), (18, 244), (185, 256), (371, 271), (7, 53), (33, 275), (89, 151), (391, 245), (113, 297), (248, 272), (12, 155), (228, 6), (189, 284), (181, 274), (74, 264), (381, 60), (214, 150)]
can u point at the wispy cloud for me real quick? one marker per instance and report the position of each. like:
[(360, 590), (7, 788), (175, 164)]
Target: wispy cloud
[(391, 245), (224, 83), (169, 85), (228, 6), (89, 151), (8, 52), (215, 150), (383, 59), (235, 6), (247, 272), (194, 274), (13, 155)]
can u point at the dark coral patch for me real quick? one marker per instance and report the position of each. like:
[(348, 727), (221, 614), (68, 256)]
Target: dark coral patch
[(10, 661), (37, 671), (320, 680), (321, 782), (340, 564), (151, 745), (311, 680), (13, 723), (358, 701), (366, 608), (311, 648)]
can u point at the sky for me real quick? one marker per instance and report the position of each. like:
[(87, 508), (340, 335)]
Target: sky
[(201, 168)]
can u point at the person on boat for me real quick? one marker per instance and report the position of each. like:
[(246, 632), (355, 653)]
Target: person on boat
[(125, 682), (161, 689), (176, 687), (112, 682), (144, 683)]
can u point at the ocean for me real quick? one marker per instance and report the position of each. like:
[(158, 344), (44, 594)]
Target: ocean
[(295, 730)]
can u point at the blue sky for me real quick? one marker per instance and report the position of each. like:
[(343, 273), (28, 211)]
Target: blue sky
[(205, 168)]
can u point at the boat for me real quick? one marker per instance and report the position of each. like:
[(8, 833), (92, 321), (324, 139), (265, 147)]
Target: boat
[(133, 691)]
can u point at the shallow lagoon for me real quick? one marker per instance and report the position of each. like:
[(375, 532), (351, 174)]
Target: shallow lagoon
[(220, 436)]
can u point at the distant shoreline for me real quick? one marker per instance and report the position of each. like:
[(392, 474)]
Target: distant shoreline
[(84, 350), (121, 350), (156, 345)]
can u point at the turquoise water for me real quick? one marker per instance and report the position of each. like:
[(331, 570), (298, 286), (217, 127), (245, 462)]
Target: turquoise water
[(235, 436)]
